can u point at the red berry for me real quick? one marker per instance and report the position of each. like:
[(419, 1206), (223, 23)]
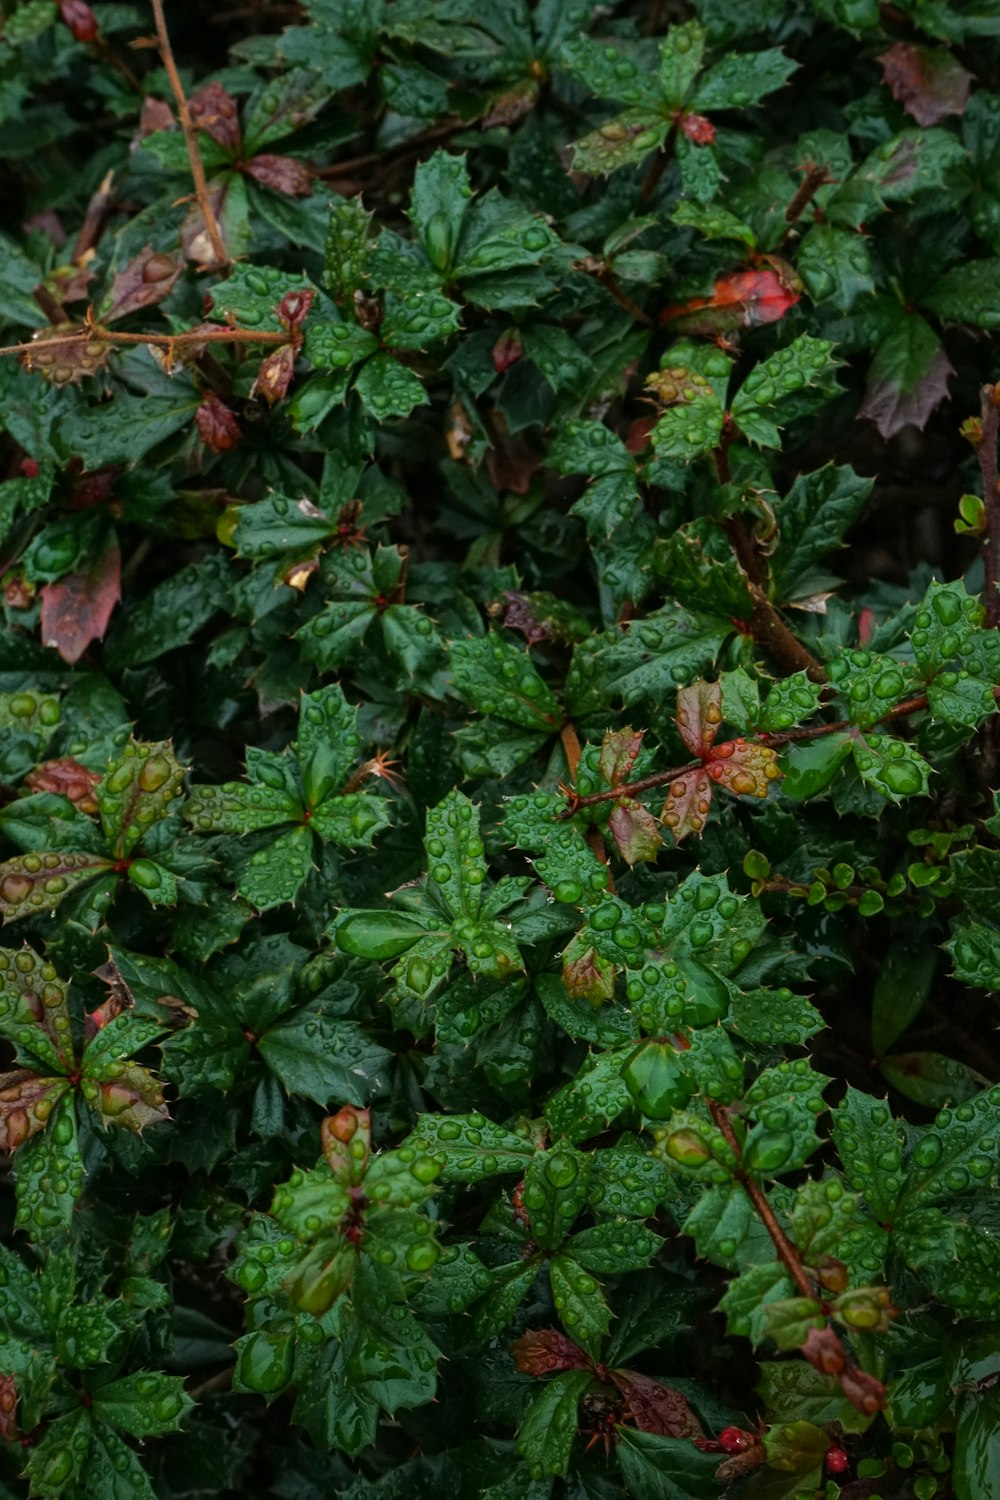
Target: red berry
[(837, 1461), (734, 1440), (29, 468)]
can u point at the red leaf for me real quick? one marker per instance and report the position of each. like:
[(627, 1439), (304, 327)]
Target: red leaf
[(275, 374), (930, 84), (119, 999), (293, 309), (545, 1351), (346, 1140), (92, 487), (282, 174), (132, 1100), (215, 112), (507, 350), (26, 1102), (147, 279), (698, 129), (216, 424), (698, 715), (67, 778), (652, 1407), (77, 609), (742, 299), (80, 19), (586, 975), (637, 438), (687, 804), (8, 1409)]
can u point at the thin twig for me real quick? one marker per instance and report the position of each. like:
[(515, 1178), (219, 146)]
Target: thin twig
[(571, 747), (404, 148), (190, 137), (766, 624), (93, 333)]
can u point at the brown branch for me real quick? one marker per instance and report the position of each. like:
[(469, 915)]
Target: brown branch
[(93, 332), (571, 747), (769, 631), (404, 148), (610, 284), (190, 137), (785, 1250), (815, 178)]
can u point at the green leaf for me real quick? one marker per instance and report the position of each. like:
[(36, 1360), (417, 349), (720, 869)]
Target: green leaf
[(549, 1427), (902, 987), (473, 1147), (908, 377), (495, 677), (614, 1247), (328, 742), (137, 791), (555, 1190), (144, 1405), (811, 766), (954, 1153), (812, 520), (662, 1468), (278, 872), (870, 1145), (579, 1302), (388, 389), (785, 1101), (801, 363), (748, 1296), (892, 766), (821, 1216), (714, 222), (609, 72), (348, 248), (591, 1101), (742, 79), (417, 318), (319, 1057), (34, 1009), (50, 1176), (170, 615), (790, 701), (836, 266), (438, 202), (235, 807), (767, 1017), (113, 1469), (35, 883), (968, 294), (57, 1460), (622, 142), (977, 1446), (930, 1078), (720, 1222), (692, 427), (975, 951)]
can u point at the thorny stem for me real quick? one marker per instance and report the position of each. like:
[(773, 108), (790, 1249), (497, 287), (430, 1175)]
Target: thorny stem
[(94, 332), (786, 1251), (991, 499), (784, 737), (190, 137), (610, 284), (815, 178), (571, 747)]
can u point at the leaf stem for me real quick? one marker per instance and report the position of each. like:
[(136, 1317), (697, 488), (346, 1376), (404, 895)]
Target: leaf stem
[(785, 1250), (767, 627), (93, 332), (190, 138)]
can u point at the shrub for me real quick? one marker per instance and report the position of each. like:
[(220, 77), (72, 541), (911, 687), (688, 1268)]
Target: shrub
[(500, 912)]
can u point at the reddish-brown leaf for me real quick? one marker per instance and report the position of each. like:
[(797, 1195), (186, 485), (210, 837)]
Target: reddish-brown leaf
[(293, 309), (8, 1409), (77, 609), (67, 778), (215, 111), (635, 832), (217, 425), (741, 299), (745, 769), (507, 350), (91, 487), (929, 83), (907, 378), (282, 174), (863, 1391), (652, 1407), (619, 750), (546, 1351), (346, 1139), (698, 715), (687, 805), (65, 363), (80, 19), (824, 1351), (519, 615), (26, 1102), (275, 374), (508, 108), (586, 975), (148, 278), (155, 115)]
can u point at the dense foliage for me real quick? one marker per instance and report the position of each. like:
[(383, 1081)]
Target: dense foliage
[(501, 915)]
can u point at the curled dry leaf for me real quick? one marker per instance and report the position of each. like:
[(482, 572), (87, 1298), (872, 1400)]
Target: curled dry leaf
[(217, 425), (282, 174), (67, 778), (215, 111), (929, 83)]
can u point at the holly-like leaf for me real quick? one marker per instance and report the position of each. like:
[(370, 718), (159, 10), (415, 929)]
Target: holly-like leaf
[(50, 1176), (388, 389), (277, 873), (34, 883), (26, 1105), (801, 363), (137, 791), (496, 677), (908, 376), (555, 1190), (549, 1426), (579, 1302), (929, 83), (78, 608), (473, 1147), (144, 1405)]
